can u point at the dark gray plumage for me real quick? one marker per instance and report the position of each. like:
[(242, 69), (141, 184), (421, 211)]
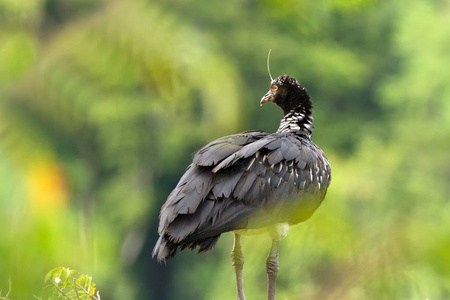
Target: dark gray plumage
[(244, 181), (248, 180)]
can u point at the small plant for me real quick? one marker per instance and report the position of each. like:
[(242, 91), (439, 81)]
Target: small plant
[(69, 284)]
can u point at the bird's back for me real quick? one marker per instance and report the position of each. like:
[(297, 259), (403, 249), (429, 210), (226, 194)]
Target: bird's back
[(243, 181)]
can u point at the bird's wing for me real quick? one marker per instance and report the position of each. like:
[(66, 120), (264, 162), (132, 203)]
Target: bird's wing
[(248, 180), (281, 176), (218, 150), (270, 171), (198, 180)]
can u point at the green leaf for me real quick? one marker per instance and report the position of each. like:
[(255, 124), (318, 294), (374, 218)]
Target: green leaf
[(69, 284)]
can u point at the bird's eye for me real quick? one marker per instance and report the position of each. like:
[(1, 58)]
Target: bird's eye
[(275, 88)]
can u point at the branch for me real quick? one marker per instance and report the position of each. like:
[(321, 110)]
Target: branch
[(60, 290), (87, 292), (75, 287)]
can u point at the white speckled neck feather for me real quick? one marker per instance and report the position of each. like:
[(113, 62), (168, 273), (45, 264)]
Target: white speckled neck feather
[(297, 122)]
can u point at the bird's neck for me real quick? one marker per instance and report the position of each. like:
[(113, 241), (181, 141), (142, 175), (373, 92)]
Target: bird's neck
[(298, 122)]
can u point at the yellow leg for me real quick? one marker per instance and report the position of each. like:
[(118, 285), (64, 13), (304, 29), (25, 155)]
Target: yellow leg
[(237, 259), (272, 268)]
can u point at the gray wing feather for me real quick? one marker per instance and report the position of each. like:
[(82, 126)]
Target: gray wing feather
[(248, 180), (217, 150)]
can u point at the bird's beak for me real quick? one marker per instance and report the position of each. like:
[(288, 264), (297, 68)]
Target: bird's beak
[(267, 97)]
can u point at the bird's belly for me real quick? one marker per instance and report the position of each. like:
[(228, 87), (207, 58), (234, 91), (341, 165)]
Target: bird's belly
[(251, 231), (280, 229)]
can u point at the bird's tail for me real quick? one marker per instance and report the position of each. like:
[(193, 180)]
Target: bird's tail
[(164, 249)]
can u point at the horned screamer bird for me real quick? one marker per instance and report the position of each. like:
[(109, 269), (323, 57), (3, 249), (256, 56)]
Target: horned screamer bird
[(249, 181)]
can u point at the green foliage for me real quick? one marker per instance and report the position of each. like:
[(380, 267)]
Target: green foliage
[(69, 284), (17, 52)]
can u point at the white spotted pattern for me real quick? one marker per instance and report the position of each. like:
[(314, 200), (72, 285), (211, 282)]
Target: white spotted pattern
[(296, 122)]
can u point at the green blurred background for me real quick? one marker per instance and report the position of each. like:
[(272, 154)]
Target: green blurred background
[(102, 104)]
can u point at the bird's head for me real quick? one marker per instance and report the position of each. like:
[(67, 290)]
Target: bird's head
[(287, 93)]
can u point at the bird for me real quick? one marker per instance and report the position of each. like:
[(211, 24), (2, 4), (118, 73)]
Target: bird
[(247, 181)]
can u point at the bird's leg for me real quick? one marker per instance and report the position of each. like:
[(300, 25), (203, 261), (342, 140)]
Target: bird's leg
[(237, 259), (278, 232), (272, 268)]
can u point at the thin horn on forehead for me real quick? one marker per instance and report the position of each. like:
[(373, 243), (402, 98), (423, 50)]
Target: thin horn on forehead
[(268, 65)]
